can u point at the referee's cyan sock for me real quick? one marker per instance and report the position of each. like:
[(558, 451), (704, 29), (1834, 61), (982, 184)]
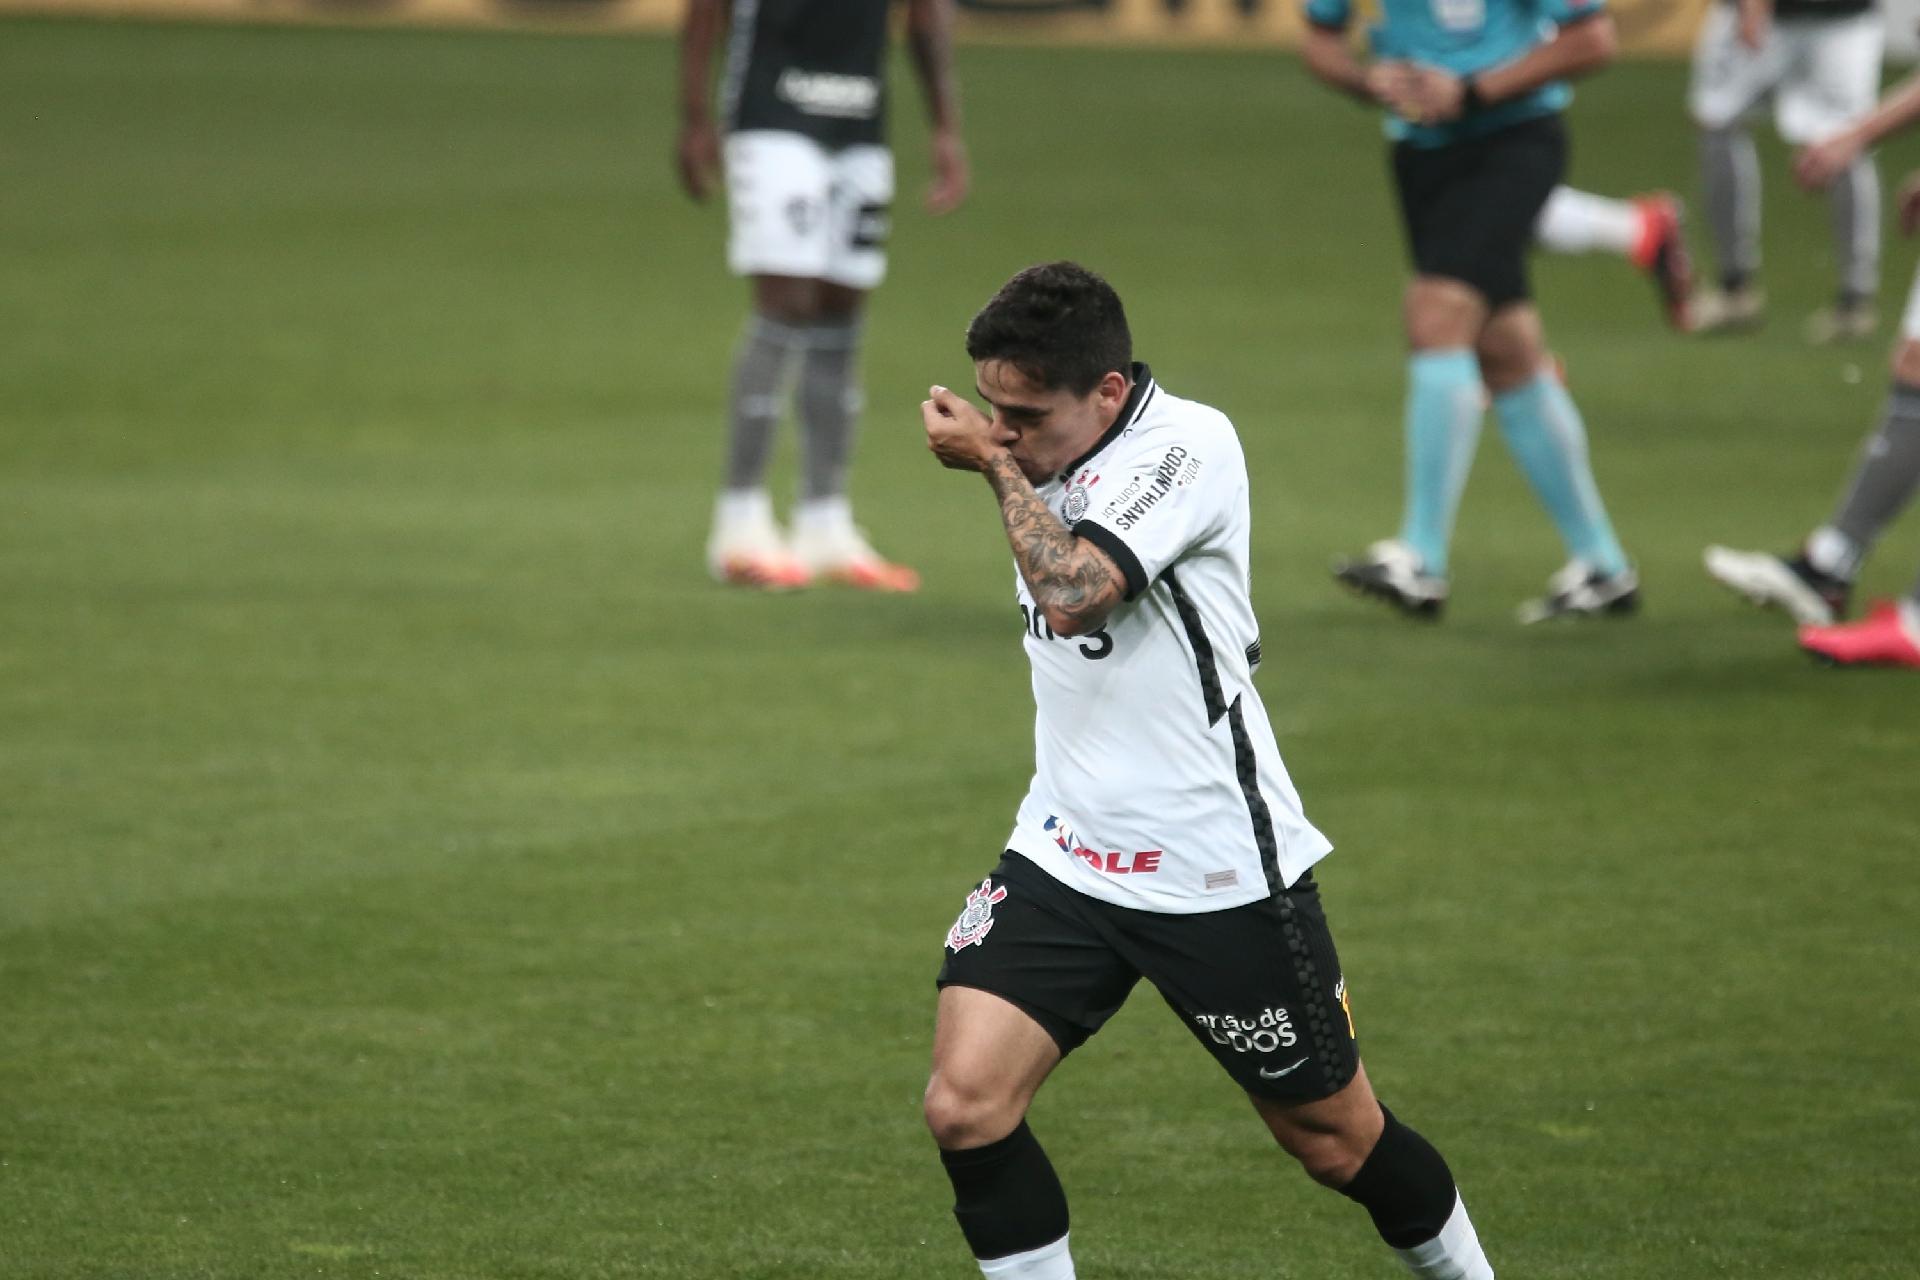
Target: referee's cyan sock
[(1543, 429), (1444, 404)]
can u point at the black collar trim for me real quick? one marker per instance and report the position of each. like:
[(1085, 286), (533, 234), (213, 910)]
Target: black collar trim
[(1136, 405)]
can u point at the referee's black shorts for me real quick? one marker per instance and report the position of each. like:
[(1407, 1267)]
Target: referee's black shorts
[(1259, 986), (1470, 207)]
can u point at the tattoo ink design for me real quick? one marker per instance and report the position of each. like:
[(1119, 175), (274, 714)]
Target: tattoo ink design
[(1066, 575)]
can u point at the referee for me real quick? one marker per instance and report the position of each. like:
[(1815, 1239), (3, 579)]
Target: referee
[(1473, 91), (1160, 837)]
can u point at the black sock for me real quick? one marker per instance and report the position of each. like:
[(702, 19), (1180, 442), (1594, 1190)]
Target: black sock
[(1006, 1196), (1405, 1186)]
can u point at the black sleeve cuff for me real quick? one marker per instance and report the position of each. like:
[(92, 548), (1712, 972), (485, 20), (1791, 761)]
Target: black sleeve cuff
[(1109, 541)]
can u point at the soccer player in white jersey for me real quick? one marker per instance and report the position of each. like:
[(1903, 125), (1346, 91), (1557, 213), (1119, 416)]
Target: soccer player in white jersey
[(1161, 837), (809, 194), (1819, 60), (1815, 584)]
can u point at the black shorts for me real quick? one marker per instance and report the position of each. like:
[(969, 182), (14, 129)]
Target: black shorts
[(1259, 986), (1470, 208)]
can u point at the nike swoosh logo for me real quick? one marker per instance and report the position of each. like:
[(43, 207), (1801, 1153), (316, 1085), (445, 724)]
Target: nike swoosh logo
[(1284, 1071)]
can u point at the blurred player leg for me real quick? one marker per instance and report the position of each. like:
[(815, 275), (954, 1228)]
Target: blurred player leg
[(1443, 411), (1882, 483), (1444, 407), (1730, 173), (777, 189), (746, 547), (1834, 80), (1728, 79), (1646, 230), (1544, 431), (825, 540), (1814, 585), (1853, 202)]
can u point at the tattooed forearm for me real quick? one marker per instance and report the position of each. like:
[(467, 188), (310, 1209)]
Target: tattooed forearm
[(1072, 582)]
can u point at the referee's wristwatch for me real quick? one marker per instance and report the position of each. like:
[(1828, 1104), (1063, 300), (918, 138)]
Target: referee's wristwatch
[(1471, 99)]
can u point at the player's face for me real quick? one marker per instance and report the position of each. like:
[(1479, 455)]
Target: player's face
[(1046, 429)]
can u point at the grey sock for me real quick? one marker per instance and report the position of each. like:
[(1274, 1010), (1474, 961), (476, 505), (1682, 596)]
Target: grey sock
[(759, 376), (1730, 172), (829, 407), (1887, 474), (1854, 202)]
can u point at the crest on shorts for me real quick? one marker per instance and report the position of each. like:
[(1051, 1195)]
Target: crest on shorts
[(1076, 503), (976, 921)]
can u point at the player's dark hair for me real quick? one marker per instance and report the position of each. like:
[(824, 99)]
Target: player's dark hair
[(1059, 324)]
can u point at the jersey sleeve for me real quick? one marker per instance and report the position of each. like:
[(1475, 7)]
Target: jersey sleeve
[(1331, 14), (1151, 504)]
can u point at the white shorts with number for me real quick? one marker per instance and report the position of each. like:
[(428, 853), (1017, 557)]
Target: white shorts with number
[(1821, 72), (799, 209)]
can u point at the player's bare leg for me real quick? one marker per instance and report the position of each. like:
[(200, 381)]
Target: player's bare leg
[(989, 1059), (1352, 1144), (1444, 406), (1543, 430)]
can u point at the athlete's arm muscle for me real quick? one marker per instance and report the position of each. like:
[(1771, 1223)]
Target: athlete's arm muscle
[(1074, 583)]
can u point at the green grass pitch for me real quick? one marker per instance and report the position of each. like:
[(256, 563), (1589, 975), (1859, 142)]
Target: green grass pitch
[(410, 866)]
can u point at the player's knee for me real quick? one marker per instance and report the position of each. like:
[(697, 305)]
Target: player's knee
[(960, 1115), (1330, 1159), (1440, 314)]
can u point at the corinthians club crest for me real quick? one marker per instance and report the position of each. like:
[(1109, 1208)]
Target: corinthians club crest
[(1075, 504), (977, 920)]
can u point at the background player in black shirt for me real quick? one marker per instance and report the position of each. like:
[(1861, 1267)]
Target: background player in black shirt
[(801, 136)]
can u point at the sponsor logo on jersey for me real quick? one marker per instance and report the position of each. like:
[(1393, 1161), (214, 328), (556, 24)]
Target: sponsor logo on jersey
[(1114, 863), (828, 93), (976, 920), (1271, 1030), (1176, 470)]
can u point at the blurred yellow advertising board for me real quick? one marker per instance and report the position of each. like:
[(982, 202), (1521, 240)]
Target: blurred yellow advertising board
[(1646, 26)]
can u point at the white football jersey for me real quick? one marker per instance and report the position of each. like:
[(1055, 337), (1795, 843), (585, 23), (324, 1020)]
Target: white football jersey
[(1157, 783)]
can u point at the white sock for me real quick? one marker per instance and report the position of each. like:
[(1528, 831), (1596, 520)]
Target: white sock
[(1833, 553), (1580, 222), (1048, 1262), (743, 508), (1454, 1254), (1910, 618), (823, 515)]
